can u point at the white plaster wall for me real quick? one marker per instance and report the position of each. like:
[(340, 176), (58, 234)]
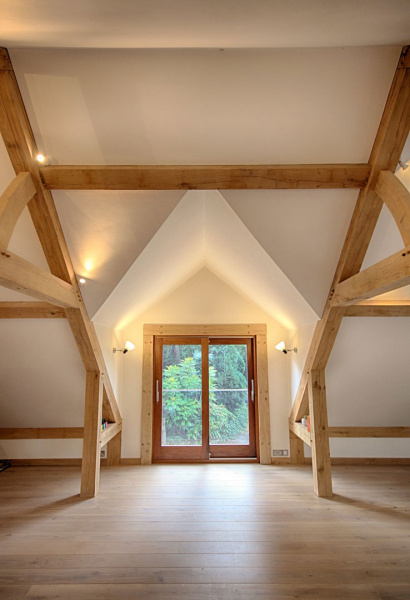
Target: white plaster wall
[(367, 381), (204, 299), (42, 383)]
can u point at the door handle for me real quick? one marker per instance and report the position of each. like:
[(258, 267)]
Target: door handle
[(157, 392), (253, 390)]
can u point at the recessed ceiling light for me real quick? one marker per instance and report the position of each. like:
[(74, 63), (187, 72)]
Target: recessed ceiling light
[(41, 158)]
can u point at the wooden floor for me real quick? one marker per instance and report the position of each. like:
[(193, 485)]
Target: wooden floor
[(214, 531)]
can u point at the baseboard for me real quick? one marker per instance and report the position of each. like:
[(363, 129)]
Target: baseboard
[(347, 460), (44, 462)]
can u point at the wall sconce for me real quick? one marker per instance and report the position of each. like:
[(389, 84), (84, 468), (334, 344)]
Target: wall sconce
[(282, 348), (404, 165), (127, 347)]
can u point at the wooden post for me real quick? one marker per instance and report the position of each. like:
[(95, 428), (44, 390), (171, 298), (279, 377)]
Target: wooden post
[(114, 450), (263, 399), (90, 470), (297, 452), (147, 400), (322, 475)]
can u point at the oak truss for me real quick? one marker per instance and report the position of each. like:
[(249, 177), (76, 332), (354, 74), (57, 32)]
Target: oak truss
[(57, 291), (353, 289), (58, 294)]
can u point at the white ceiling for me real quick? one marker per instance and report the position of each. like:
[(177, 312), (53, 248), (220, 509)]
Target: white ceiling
[(205, 106), (203, 23)]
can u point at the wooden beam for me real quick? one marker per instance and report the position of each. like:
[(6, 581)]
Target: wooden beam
[(397, 199), (41, 433), (90, 470), (21, 146), (301, 432), (369, 432), (297, 450), (322, 475), (204, 177), (114, 450), (388, 145), (392, 308), (263, 399), (239, 329), (12, 202), (30, 310), (108, 433), (22, 276), (389, 274), (147, 399)]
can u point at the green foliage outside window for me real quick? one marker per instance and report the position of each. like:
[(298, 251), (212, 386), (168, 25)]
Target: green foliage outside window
[(182, 409)]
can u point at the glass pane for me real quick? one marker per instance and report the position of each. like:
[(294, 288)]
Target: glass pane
[(181, 395), (228, 394)]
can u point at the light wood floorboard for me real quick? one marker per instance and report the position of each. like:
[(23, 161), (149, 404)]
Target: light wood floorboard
[(196, 532)]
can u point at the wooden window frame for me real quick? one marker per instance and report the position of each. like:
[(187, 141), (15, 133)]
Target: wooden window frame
[(262, 412)]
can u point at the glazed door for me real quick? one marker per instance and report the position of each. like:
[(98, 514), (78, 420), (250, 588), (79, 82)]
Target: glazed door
[(204, 398)]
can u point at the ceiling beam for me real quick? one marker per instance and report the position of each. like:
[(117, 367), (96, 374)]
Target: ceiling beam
[(19, 275), (391, 308), (397, 199), (30, 310), (389, 142), (202, 177), (387, 275)]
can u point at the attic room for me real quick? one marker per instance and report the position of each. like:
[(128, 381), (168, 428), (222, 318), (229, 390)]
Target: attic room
[(204, 299)]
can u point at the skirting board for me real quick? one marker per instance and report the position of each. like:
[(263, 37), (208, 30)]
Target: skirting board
[(61, 462)]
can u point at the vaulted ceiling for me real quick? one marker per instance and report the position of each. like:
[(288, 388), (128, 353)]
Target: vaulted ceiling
[(196, 106)]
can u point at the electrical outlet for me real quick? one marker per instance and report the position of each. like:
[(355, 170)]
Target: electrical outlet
[(280, 453)]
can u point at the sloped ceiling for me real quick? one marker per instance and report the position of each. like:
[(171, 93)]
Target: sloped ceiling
[(211, 23), (205, 107), (204, 231)]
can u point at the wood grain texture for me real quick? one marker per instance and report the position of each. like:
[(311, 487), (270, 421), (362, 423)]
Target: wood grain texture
[(20, 275), (41, 433), (301, 432), (389, 142), (204, 177), (263, 399), (397, 199), (228, 532), (30, 310), (111, 431), (90, 469), (372, 432), (297, 451), (147, 399), (206, 330), (12, 203), (322, 476), (114, 450), (392, 308), (389, 274)]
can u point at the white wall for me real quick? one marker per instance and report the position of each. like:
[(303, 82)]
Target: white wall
[(42, 384), (204, 299), (367, 381)]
